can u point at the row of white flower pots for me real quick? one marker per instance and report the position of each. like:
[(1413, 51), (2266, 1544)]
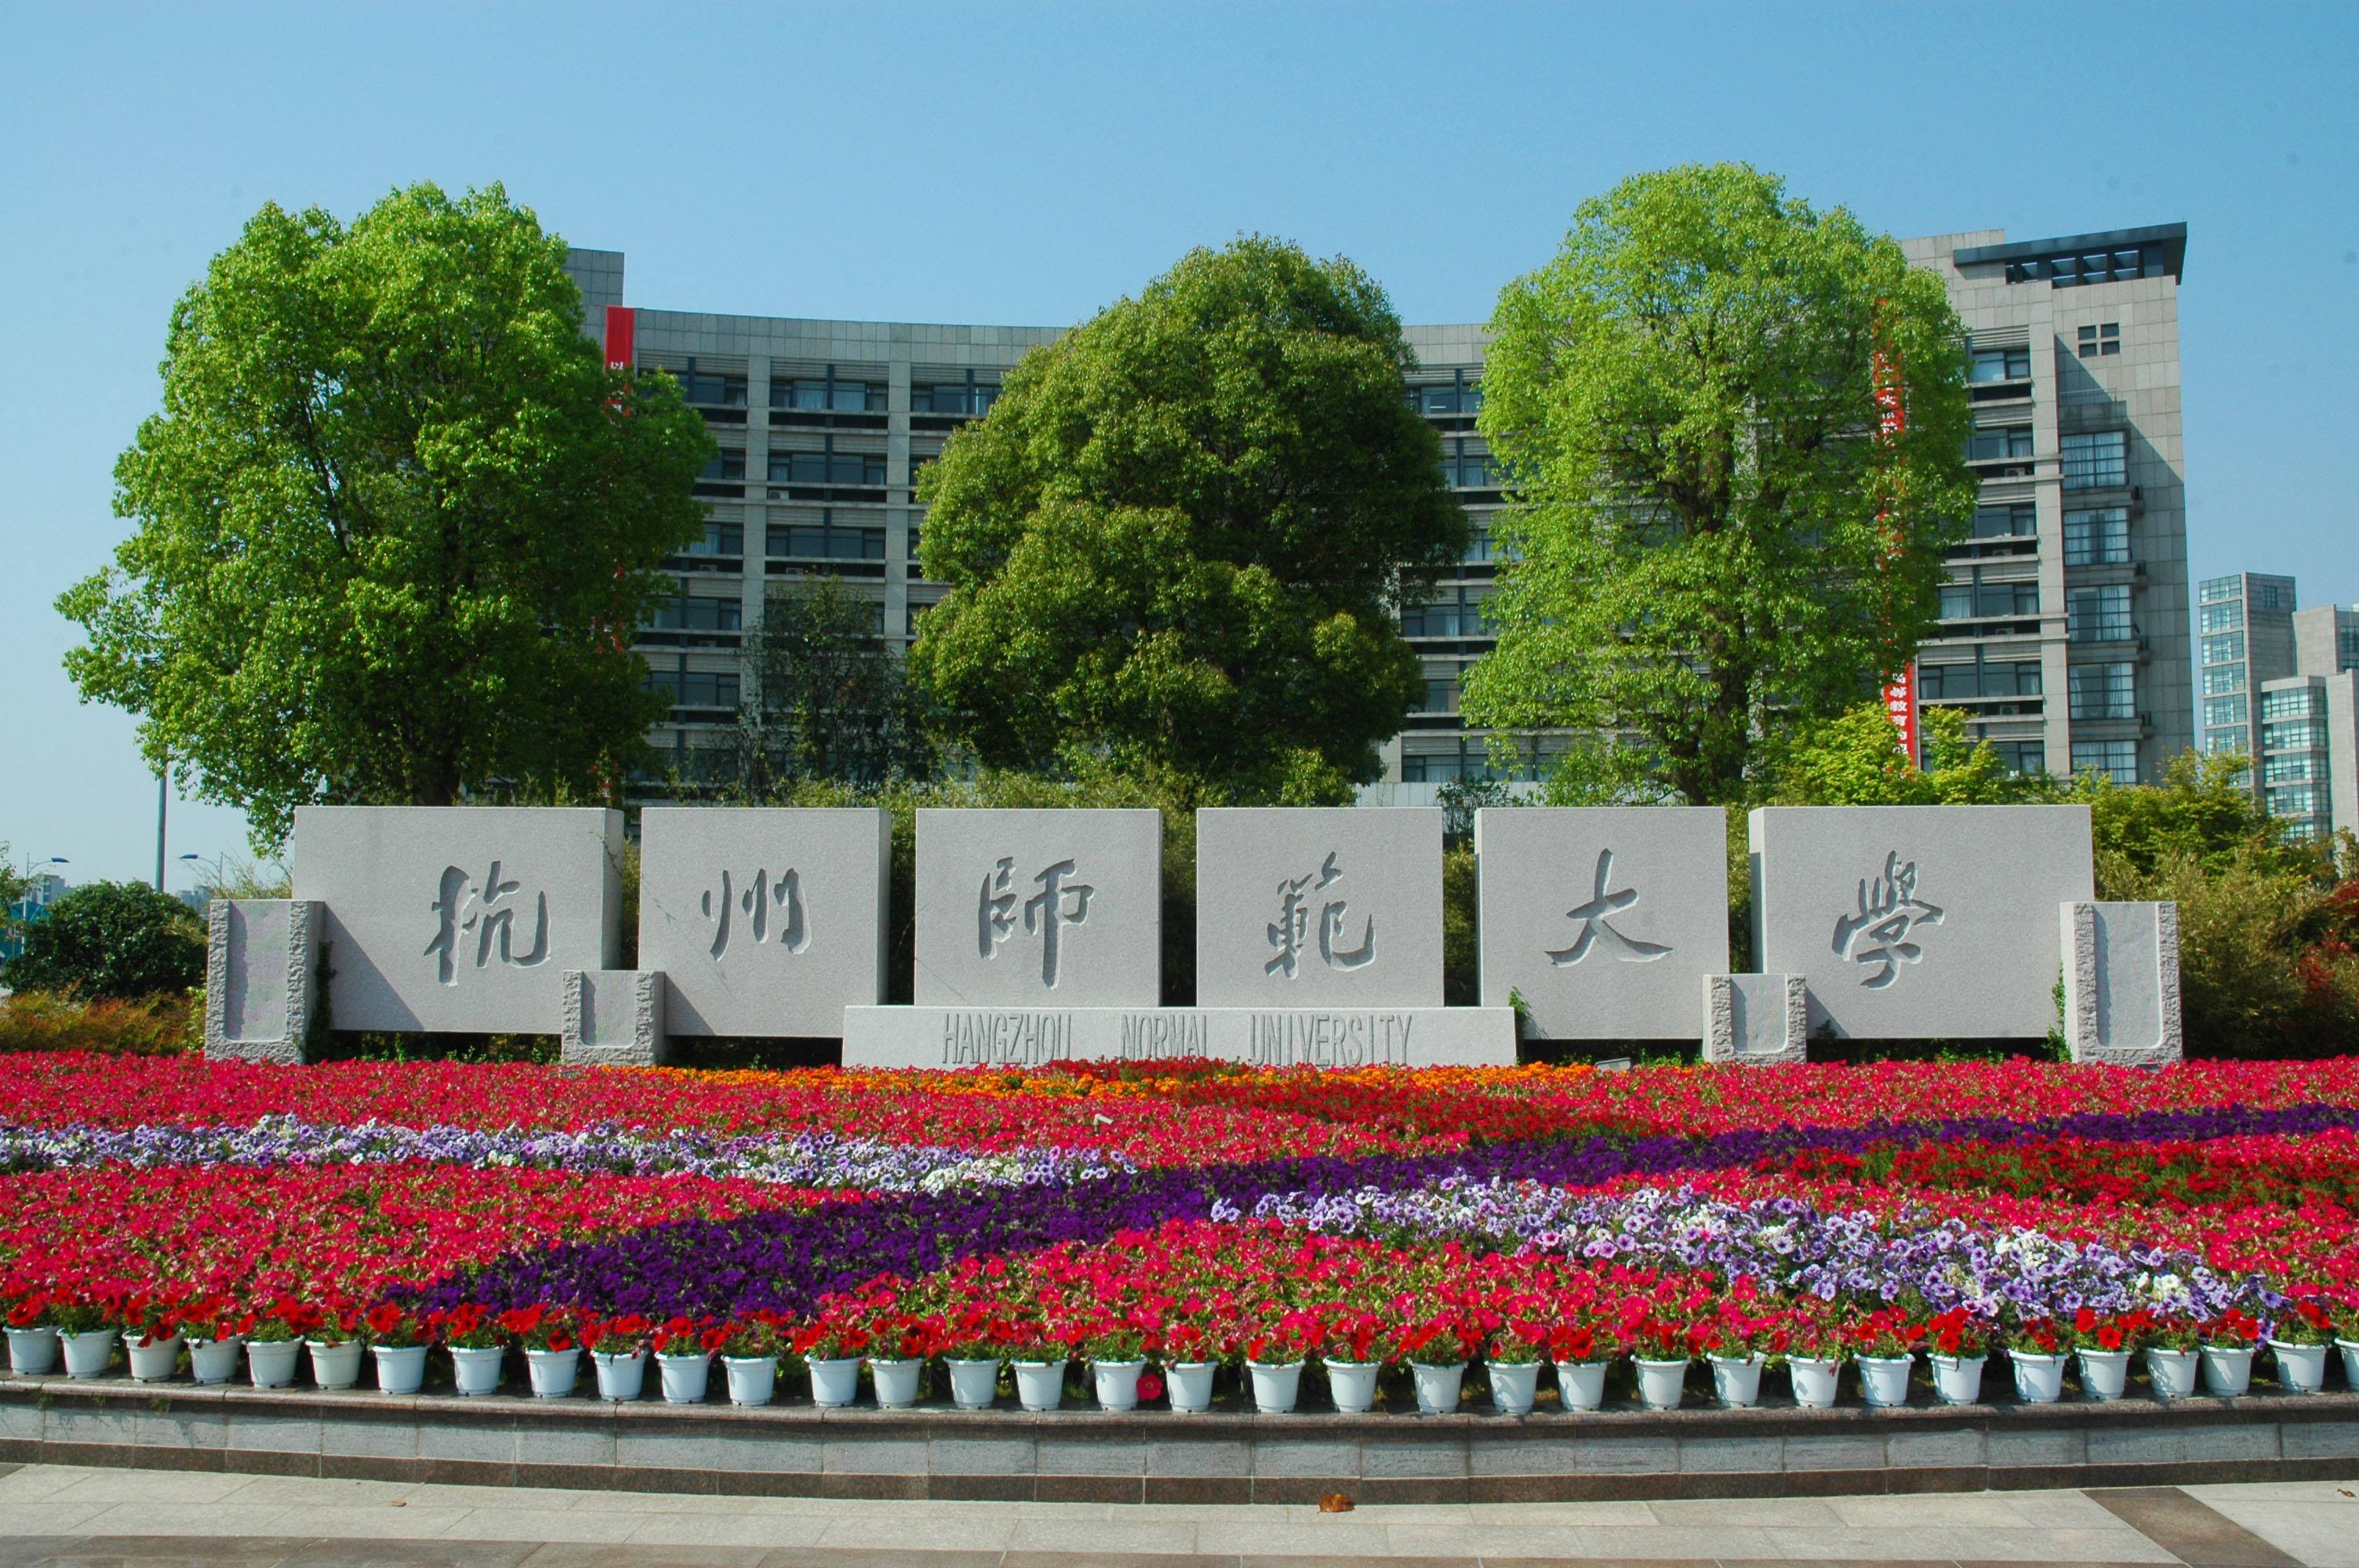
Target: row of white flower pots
[(1276, 1387)]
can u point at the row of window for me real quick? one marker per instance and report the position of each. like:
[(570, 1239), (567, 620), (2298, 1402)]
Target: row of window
[(2298, 767), (2219, 710), (2116, 757), (828, 394), (2091, 267), (2226, 615), (2226, 648), (2011, 677), (696, 688), (1988, 601), (2294, 735), (1460, 397), (2294, 702), (862, 469), (2218, 679), (2093, 459), (1458, 614)]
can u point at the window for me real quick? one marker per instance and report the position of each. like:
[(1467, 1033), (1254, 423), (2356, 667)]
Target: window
[(2300, 800), (829, 395), (2117, 758), (2223, 588), (2224, 741), (720, 539), (696, 688), (2218, 679), (1999, 364), (2094, 266), (2022, 756), (826, 540), (1451, 615), (2219, 710), (1478, 546), (1458, 397), (2102, 340), (2005, 522), (2224, 615), (1440, 696), (911, 613), (2346, 647), (953, 397), (2099, 614), (702, 386), (2268, 595), (1999, 443), (1986, 601), (2226, 648), (1469, 470), (686, 614), (2099, 538), (2096, 460), (723, 465), (2105, 691), (2298, 767), (2290, 702), (2014, 677), (866, 468)]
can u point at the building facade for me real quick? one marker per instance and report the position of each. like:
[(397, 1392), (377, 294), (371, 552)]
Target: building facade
[(2064, 629), (2244, 632)]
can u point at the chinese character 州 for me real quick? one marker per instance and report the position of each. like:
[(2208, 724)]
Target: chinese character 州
[(1291, 931), (1889, 912), (477, 910), (1046, 913), (786, 890), (1596, 927)]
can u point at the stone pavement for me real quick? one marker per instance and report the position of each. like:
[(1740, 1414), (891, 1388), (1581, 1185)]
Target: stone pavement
[(64, 1515)]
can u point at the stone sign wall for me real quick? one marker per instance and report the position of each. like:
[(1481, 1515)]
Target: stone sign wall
[(1319, 907), (1039, 908)]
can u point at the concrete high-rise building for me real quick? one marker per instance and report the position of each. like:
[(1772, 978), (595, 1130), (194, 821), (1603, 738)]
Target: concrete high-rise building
[(2245, 634), (2326, 638), (2064, 633)]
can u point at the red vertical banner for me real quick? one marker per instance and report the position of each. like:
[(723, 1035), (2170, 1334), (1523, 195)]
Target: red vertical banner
[(621, 335), (1899, 690)]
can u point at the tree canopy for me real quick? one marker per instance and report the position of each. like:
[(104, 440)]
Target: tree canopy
[(1707, 541), (1181, 538), (395, 521), (825, 699)]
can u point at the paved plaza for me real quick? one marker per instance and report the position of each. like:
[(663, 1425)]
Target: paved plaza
[(61, 1515)]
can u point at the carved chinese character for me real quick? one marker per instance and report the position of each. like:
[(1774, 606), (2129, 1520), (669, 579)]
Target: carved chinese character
[(1046, 913), (1290, 934), (785, 891), (1889, 912), (1596, 929), (480, 910)]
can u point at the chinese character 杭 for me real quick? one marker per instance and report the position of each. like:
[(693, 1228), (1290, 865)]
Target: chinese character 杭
[(480, 910), (786, 890), (1889, 912), (1046, 913), (1595, 928), (1290, 933)]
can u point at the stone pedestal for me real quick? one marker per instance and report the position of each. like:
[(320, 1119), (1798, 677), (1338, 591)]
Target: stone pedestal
[(2121, 983), (261, 978), (1756, 1019), (613, 1017), (1276, 1037)]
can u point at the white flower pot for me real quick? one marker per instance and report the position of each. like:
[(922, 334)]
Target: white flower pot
[(622, 1377), (684, 1378), (2302, 1369), (835, 1381), (270, 1363), (1580, 1385), (2105, 1374), (1276, 1385), (1884, 1380), (2227, 1369), (1116, 1383), (88, 1354), (476, 1370), (32, 1352), (1736, 1380), (1191, 1383), (974, 1384), (1515, 1384), (214, 1360), (1040, 1385), (897, 1381), (754, 1379), (1958, 1379), (1661, 1384), (400, 1368), (2349, 1348), (2039, 1380), (335, 1365), (1816, 1380), (2173, 1372), (153, 1362), (1352, 1385), (1440, 1389), (553, 1372)]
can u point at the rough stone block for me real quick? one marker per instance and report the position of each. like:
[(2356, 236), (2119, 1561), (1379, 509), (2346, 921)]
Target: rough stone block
[(1919, 922), (765, 921), (1758, 1020), (261, 978), (459, 918), (1324, 907), (1039, 908), (2121, 982), (1601, 919), (615, 1017)]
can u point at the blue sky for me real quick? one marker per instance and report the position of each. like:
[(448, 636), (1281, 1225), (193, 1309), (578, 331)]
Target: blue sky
[(1027, 163)]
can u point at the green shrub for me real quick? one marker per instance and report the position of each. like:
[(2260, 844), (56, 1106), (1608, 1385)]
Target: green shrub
[(112, 939), (152, 1026)]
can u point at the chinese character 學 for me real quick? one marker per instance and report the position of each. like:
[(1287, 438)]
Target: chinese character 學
[(786, 890), (1290, 932), (468, 908), (1596, 929), (1046, 913), (1889, 912)]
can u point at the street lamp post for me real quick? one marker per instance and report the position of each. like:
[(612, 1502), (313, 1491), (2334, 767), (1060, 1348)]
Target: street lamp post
[(163, 783)]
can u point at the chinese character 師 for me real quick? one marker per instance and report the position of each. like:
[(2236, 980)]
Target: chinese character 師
[(1290, 932), (785, 891), (1596, 929), (1046, 913), (481, 910), (1889, 912)]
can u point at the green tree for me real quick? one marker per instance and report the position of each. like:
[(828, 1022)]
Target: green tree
[(1181, 538), (1854, 758), (14, 883), (112, 939), (2203, 813), (825, 698), (1707, 542), (395, 521)]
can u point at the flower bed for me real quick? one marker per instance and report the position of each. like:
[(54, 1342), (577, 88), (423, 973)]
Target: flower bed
[(1157, 1223)]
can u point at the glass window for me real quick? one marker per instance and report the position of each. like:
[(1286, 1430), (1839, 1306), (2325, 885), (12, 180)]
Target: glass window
[(723, 465), (2096, 459), (2022, 756), (1995, 445), (703, 387), (827, 541), (2105, 691), (2224, 741), (2005, 522), (2223, 588), (1440, 695), (2118, 758), (2290, 702), (2218, 678), (2103, 339), (695, 688), (953, 397), (2227, 648), (1999, 364), (827, 468), (2219, 711), (2224, 615), (2099, 614), (2100, 537), (2297, 767)]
